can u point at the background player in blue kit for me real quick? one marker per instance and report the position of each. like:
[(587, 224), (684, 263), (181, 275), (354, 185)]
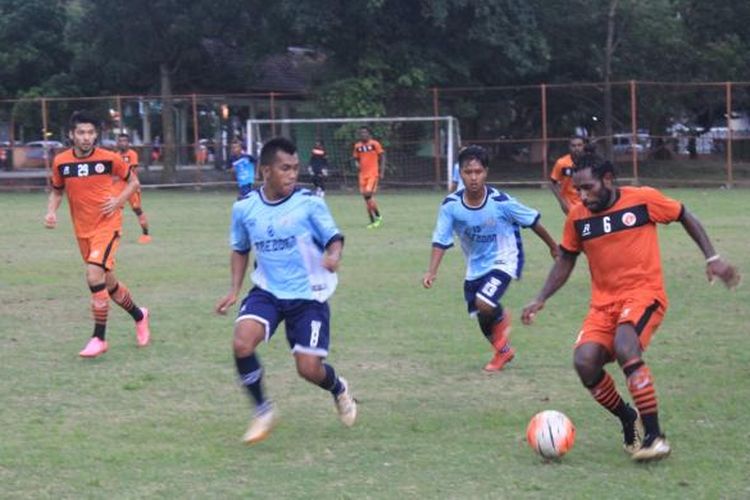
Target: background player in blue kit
[(297, 252), (243, 165), (487, 223)]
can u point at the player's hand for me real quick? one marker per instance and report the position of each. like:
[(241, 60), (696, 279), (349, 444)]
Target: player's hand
[(225, 303), (428, 279), (331, 262), (529, 312), (723, 270), (109, 206), (50, 220)]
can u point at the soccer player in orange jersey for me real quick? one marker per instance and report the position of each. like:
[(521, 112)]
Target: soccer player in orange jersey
[(616, 228), (86, 173), (130, 157), (369, 156), (561, 178)]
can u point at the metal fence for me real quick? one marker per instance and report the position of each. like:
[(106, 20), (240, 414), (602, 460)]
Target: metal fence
[(661, 132)]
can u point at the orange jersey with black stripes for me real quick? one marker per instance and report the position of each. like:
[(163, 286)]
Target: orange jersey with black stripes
[(368, 154), (562, 173), (89, 183), (130, 157), (621, 243)]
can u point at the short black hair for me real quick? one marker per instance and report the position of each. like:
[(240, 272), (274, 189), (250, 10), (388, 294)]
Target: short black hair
[(273, 146), (578, 136), (598, 165), (79, 117), (473, 152), (123, 134)]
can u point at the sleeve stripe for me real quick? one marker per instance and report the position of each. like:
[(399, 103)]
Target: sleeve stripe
[(440, 245), (336, 237), (571, 252)]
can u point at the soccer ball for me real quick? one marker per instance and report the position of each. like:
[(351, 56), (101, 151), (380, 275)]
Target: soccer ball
[(551, 434)]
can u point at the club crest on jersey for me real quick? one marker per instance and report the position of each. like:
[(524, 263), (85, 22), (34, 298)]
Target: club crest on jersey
[(99, 168), (629, 219), (567, 172)]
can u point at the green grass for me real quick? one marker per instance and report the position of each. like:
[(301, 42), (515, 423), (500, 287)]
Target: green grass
[(165, 421)]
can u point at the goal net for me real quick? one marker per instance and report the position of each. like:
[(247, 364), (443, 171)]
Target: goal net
[(419, 151)]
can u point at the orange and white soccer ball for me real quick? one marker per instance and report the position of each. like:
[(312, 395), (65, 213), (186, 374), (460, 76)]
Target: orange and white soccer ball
[(551, 434)]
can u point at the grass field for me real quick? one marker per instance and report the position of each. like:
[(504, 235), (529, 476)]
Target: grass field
[(165, 421)]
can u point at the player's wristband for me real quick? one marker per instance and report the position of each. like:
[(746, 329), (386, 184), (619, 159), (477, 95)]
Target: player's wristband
[(713, 258)]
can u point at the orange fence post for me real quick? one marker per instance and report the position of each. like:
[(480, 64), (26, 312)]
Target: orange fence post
[(436, 135), (730, 179), (545, 165), (634, 132)]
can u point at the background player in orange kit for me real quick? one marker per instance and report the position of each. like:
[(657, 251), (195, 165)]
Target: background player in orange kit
[(86, 173), (561, 177), (616, 228), (130, 157), (369, 157)]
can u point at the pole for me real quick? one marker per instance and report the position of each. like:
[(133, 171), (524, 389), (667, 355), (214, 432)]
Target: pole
[(449, 154), (545, 145), (436, 135), (196, 138), (272, 104), (634, 132), (45, 150), (118, 101), (730, 179)]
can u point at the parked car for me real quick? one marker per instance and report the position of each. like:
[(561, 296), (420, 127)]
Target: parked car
[(32, 154)]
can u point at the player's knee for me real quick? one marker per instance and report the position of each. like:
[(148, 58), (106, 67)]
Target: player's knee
[(367, 196), (309, 368), (95, 275), (485, 309), (627, 343), (587, 366), (138, 211)]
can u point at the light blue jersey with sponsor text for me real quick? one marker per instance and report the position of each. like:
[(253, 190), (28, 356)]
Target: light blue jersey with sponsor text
[(288, 237), (489, 234)]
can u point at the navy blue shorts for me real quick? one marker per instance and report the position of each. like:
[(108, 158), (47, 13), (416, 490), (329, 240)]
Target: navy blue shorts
[(488, 288), (307, 321)]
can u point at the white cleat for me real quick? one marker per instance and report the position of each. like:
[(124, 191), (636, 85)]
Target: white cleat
[(260, 427), (346, 405)]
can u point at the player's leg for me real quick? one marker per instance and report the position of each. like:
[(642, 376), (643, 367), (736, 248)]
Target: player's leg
[(483, 296), (594, 348), (372, 188), (256, 321), (308, 334), (95, 279), (631, 338), (135, 204), (120, 295)]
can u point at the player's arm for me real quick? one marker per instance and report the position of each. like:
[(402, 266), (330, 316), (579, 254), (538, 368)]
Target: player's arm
[(332, 255), (715, 265), (548, 240), (53, 203), (238, 262), (557, 191), (556, 278), (435, 258)]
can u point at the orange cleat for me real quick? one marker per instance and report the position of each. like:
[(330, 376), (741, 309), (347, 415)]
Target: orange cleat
[(142, 330), (94, 348), (144, 238), (499, 360)]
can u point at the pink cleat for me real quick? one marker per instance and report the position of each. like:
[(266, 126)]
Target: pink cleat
[(142, 331), (94, 348)]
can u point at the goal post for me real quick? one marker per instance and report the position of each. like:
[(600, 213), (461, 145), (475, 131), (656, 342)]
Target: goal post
[(419, 151)]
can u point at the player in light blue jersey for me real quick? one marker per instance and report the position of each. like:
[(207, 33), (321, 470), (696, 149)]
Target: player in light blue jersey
[(297, 252), (487, 223), (243, 165)]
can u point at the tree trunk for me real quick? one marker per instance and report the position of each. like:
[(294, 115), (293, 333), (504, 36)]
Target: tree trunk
[(608, 52), (169, 157)]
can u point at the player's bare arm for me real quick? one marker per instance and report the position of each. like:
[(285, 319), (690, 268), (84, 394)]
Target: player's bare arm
[(238, 266), (556, 278), (53, 203), (435, 258), (716, 266), (115, 203), (544, 235), (332, 256), (555, 188)]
